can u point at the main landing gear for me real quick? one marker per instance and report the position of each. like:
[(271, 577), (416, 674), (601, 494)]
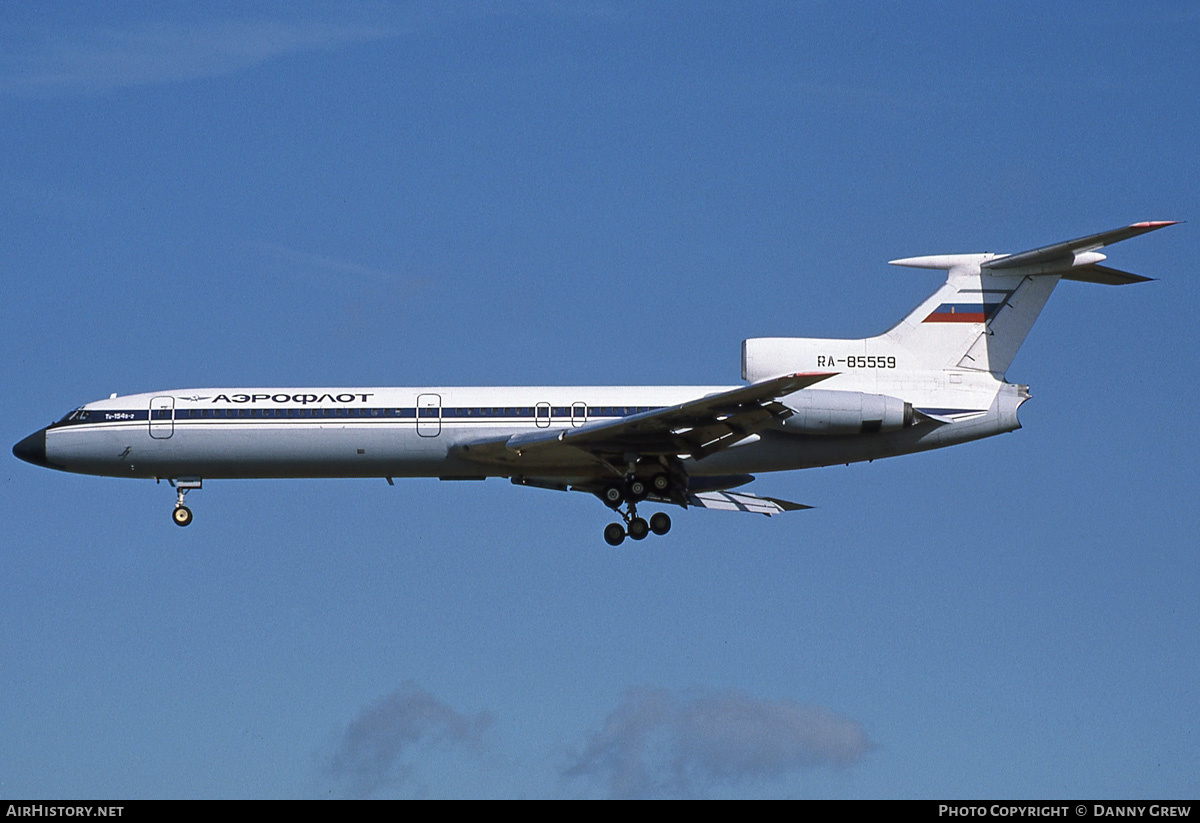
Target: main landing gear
[(630, 493), (638, 528), (182, 514)]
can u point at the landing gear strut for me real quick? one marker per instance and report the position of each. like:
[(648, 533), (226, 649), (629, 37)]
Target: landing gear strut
[(182, 514)]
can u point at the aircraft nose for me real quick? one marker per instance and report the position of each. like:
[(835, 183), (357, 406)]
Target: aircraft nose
[(33, 448)]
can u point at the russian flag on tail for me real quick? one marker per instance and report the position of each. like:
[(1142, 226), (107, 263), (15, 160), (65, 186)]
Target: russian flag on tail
[(963, 313)]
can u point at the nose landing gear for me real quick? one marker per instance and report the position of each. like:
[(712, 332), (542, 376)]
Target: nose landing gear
[(182, 515)]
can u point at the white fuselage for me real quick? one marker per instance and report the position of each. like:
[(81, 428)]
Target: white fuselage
[(419, 432)]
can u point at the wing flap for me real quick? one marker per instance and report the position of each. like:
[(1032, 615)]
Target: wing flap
[(709, 493), (742, 502)]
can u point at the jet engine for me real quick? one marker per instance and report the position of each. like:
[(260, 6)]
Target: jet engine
[(845, 412)]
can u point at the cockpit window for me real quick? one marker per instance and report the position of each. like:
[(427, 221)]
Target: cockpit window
[(73, 416)]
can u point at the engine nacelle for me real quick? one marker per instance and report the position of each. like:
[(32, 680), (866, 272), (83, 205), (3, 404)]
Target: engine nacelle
[(845, 412)]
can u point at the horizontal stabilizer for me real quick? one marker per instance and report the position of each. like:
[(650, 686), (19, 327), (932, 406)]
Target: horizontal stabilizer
[(742, 502), (1066, 252), (1105, 275), (1076, 259)]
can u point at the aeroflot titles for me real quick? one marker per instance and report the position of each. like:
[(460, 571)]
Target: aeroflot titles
[(292, 398)]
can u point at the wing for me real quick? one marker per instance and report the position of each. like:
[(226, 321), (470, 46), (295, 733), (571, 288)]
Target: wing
[(696, 428)]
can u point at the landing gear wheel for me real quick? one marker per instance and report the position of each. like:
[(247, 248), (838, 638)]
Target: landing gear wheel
[(660, 483), (660, 523), (182, 515), (638, 528), (636, 490), (613, 496), (614, 534)]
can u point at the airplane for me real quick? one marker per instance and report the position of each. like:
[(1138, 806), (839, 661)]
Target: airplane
[(937, 378)]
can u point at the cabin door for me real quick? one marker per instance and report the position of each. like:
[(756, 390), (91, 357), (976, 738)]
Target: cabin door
[(429, 415), (162, 417), (578, 414)]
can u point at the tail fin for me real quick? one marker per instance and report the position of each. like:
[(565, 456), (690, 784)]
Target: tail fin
[(980, 317), (976, 320)]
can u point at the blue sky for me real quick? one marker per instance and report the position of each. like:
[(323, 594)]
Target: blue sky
[(594, 193)]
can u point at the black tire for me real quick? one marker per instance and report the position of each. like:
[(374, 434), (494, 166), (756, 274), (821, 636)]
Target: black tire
[(182, 515), (613, 496), (660, 483), (636, 490), (660, 523), (638, 528), (614, 534)]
